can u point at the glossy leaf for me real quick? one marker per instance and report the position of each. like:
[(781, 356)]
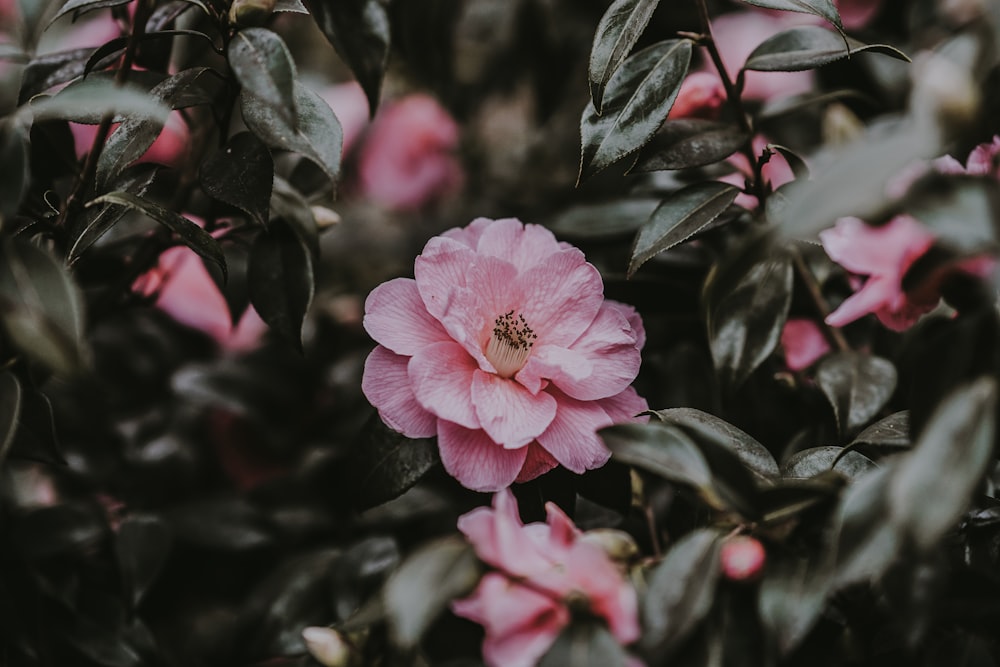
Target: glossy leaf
[(423, 586), (866, 543), (892, 432), (10, 411), (385, 464), (318, 136), (792, 597), (52, 69), (825, 9), (142, 545), (857, 386), (87, 101), (241, 174), (191, 234), (798, 166), (679, 217), (585, 644), (359, 30), (817, 461), (618, 31), (264, 67), (689, 142), (79, 7), (98, 220), (809, 47), (14, 156), (281, 281), (611, 219), (636, 102)]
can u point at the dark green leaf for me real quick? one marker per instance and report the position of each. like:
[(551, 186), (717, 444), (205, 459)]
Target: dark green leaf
[(35, 438), (281, 280), (97, 220), (679, 217), (636, 102), (59, 529), (611, 219), (933, 484), (808, 47), (241, 174), (585, 644), (191, 234), (51, 69), (79, 7), (359, 30), (16, 172), (291, 206), (799, 167), (10, 411), (681, 590), (788, 498), (820, 460), (616, 34), (792, 596), (426, 582), (823, 8), (264, 67), (384, 464), (221, 524), (868, 541), (87, 101), (318, 137), (142, 545), (857, 386), (892, 432), (188, 88), (689, 142), (961, 210), (361, 570)]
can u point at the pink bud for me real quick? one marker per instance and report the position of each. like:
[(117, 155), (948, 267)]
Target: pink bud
[(742, 558)]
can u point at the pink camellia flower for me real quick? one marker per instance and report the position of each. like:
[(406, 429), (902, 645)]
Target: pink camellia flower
[(803, 343), (505, 349), (408, 158), (542, 571), (742, 558), (701, 96)]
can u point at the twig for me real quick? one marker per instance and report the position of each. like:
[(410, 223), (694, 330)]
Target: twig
[(833, 334)]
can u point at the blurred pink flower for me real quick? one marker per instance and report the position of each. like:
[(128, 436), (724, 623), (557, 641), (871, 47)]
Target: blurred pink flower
[(350, 105), (542, 570), (168, 149), (982, 159), (803, 343), (186, 291), (505, 349), (856, 14), (742, 558), (701, 96), (408, 159)]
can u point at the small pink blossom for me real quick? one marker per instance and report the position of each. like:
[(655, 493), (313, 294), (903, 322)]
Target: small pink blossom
[(803, 343), (701, 96), (542, 569), (505, 349), (742, 558), (408, 159)]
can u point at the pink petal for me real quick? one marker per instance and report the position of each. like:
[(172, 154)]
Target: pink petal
[(538, 462), (634, 320), (563, 532), (609, 345), (803, 343), (509, 413), (439, 270), (561, 297), (625, 407), (572, 436), (475, 460), (981, 161), (501, 540), (522, 245), (349, 103), (387, 386), (701, 96), (588, 570), (470, 234), (886, 250), (876, 294), (441, 375), (396, 317), (856, 14), (548, 362)]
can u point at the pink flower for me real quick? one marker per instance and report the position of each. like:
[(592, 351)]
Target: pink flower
[(168, 149), (542, 569), (742, 558), (701, 96), (856, 14), (505, 349), (982, 159), (350, 105), (803, 343), (408, 159)]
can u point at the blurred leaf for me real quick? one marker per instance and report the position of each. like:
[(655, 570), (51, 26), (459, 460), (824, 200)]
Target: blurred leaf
[(292, 206), (241, 174), (191, 234), (681, 590), (679, 217), (790, 497), (857, 385), (823, 8), (223, 524), (616, 34), (318, 135), (610, 219), (746, 299), (88, 100), (384, 464), (808, 47), (51, 69), (636, 102), (425, 583), (689, 142), (41, 307), (792, 596), (294, 6), (962, 211), (142, 545), (933, 484), (359, 30), (35, 438), (817, 461), (281, 280), (80, 7), (360, 571), (69, 528), (10, 411), (14, 148), (264, 67), (867, 540), (585, 644)]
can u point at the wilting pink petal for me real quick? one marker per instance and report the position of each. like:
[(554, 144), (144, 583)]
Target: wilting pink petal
[(803, 343)]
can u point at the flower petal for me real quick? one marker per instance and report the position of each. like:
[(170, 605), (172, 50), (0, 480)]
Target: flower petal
[(441, 374), (538, 462), (876, 294), (561, 297), (803, 343), (439, 270), (572, 436), (522, 245), (625, 407), (500, 539), (609, 345), (476, 461), (386, 385), (508, 412), (396, 317)]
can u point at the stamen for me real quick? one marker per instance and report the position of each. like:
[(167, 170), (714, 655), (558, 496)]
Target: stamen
[(510, 344)]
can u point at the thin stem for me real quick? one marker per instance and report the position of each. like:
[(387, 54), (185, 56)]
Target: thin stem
[(654, 538), (833, 334)]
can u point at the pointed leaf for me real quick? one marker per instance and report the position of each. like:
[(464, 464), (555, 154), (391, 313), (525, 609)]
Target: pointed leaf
[(617, 218), (616, 34), (264, 67), (241, 174), (385, 464), (586, 643), (142, 545), (792, 597), (636, 102), (79, 7), (893, 431), (857, 386), (809, 47), (98, 220), (10, 411), (823, 8), (281, 280), (87, 101), (679, 217), (689, 142), (16, 170), (817, 461)]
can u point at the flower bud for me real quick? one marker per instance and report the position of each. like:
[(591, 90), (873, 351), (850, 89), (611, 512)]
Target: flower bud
[(617, 544), (248, 13), (324, 217), (327, 646), (742, 558)]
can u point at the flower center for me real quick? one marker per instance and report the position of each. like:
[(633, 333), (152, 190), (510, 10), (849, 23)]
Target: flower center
[(510, 343)]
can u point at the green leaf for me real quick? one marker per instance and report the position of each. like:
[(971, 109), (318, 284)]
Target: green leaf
[(35, 438), (892, 432), (962, 211), (142, 545), (318, 136), (585, 643), (281, 280), (359, 31), (87, 101), (264, 67), (425, 583), (611, 219), (51, 69), (41, 307), (798, 166), (191, 234), (689, 142), (817, 461), (616, 34), (747, 297), (792, 597), (241, 174), (10, 411), (98, 220), (679, 217), (16, 171), (933, 485), (866, 542), (80, 7), (825, 9), (857, 386), (384, 464), (809, 47), (680, 590), (789, 497), (636, 102)]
